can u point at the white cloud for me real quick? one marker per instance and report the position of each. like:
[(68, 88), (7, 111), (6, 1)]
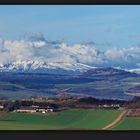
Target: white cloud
[(114, 53), (11, 51)]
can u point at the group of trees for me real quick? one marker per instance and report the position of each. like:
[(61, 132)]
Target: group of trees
[(82, 102), (95, 101)]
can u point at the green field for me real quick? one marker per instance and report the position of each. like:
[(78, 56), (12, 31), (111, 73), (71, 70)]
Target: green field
[(132, 123), (68, 119)]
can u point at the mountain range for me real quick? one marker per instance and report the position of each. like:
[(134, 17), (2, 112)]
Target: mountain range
[(39, 66), (43, 67), (26, 79), (107, 83)]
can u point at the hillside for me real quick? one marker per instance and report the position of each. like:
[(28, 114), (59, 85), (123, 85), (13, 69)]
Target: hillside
[(100, 83)]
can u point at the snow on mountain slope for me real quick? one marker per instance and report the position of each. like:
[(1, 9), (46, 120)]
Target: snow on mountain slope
[(135, 70), (43, 67)]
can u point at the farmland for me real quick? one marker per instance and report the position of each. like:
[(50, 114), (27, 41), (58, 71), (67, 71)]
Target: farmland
[(67, 119), (132, 123)]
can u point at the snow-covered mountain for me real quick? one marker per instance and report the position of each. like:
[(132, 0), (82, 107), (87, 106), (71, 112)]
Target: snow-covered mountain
[(43, 67), (40, 66), (135, 70)]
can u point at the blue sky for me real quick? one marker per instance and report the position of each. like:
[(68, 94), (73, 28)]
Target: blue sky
[(108, 26)]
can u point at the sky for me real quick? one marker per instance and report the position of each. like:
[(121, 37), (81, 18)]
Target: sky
[(114, 29), (107, 26)]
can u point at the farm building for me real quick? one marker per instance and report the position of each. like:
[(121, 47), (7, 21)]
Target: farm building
[(28, 109), (44, 109), (110, 106), (34, 109), (1, 107)]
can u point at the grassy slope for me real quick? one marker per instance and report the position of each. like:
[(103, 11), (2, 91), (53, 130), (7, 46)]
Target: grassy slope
[(81, 119), (21, 92), (129, 124)]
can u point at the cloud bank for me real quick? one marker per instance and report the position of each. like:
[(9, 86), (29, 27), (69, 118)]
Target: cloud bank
[(24, 50)]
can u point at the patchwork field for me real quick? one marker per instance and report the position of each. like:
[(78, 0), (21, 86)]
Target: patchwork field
[(68, 119)]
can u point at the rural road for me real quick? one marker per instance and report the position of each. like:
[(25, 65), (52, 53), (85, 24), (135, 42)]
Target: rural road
[(115, 122)]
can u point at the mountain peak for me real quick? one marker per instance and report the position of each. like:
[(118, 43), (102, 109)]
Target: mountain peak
[(40, 66)]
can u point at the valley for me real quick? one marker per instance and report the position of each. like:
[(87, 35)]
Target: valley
[(108, 83)]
